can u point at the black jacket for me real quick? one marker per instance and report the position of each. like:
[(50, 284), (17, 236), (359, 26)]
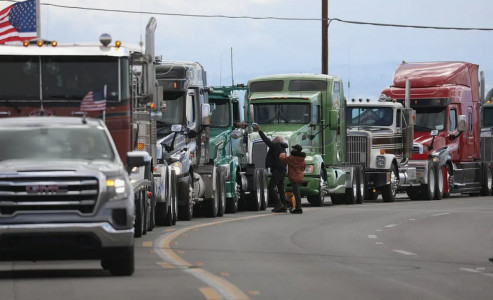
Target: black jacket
[(272, 160)]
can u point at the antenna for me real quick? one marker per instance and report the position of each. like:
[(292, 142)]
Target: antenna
[(232, 76)]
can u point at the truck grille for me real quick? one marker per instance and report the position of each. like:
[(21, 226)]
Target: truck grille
[(357, 150), (31, 193), (259, 151)]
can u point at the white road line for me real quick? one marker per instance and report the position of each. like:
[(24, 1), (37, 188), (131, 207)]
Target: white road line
[(412, 219), (391, 225), (471, 270), (404, 252), (379, 243), (372, 236), (442, 214), (378, 230)]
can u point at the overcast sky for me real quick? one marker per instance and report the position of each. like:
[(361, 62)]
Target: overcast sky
[(363, 55)]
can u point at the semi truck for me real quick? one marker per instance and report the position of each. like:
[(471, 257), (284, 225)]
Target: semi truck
[(246, 185), (380, 143), (185, 142), (105, 80), (449, 153), (309, 110)]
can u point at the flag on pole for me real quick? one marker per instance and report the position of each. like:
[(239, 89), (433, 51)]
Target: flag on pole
[(94, 100), (18, 22)]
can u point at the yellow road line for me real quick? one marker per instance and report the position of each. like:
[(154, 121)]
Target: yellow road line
[(210, 293), (217, 283)]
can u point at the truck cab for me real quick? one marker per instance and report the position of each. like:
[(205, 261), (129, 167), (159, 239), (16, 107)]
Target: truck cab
[(446, 152), (305, 109)]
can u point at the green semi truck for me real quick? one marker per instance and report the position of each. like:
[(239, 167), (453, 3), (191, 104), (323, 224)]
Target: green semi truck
[(305, 109), (245, 185)]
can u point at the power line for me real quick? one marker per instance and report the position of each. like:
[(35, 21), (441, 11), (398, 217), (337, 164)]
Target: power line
[(263, 18)]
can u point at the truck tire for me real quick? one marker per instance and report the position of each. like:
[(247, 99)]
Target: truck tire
[(221, 186), (319, 198), (119, 261), (361, 185), (265, 191), (427, 191), (152, 206), (389, 191), (174, 195), (185, 211), (439, 183), (232, 202), (351, 194), (446, 183), (139, 215), (255, 197), (487, 180)]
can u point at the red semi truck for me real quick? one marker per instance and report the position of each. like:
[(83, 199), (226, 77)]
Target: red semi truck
[(447, 151)]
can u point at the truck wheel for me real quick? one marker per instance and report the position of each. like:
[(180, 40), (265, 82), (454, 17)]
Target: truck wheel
[(221, 187), (361, 185), (255, 197), (119, 261), (389, 191), (167, 210), (318, 199), (174, 196), (265, 191), (232, 203), (351, 195), (439, 183), (152, 208), (427, 191), (147, 212), (139, 215), (487, 181), (185, 211), (447, 182)]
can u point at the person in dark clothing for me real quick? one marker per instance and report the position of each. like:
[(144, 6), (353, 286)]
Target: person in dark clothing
[(296, 168), (277, 168)]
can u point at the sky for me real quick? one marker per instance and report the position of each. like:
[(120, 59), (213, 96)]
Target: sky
[(364, 56)]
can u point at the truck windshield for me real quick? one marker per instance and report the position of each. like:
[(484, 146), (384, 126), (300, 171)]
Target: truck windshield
[(286, 113), (173, 114), (364, 116), (63, 78), (220, 115), (55, 143), (430, 118), (488, 117)]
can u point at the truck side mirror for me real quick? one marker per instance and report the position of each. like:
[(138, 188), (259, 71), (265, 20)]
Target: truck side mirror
[(333, 119), (137, 159), (462, 123), (206, 114), (434, 132)]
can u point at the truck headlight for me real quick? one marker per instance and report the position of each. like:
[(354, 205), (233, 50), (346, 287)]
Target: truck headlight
[(380, 161), (309, 169), (117, 189), (177, 166)]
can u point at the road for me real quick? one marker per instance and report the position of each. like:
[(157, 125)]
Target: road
[(402, 250)]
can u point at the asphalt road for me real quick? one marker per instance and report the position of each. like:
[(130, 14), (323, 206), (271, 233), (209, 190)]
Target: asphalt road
[(402, 250)]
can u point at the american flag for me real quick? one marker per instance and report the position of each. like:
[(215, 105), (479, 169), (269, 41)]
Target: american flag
[(18, 22), (94, 100)]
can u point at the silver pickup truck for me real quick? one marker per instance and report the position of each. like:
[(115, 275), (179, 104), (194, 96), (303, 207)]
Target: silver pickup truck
[(64, 193)]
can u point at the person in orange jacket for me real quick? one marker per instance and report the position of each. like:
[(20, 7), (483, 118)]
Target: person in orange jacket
[(296, 168)]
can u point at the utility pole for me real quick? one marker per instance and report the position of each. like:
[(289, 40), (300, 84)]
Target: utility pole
[(325, 36)]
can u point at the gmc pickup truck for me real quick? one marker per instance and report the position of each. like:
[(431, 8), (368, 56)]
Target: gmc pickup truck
[(64, 193)]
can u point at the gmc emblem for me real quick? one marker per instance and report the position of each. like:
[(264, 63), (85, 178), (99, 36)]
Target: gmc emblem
[(46, 189)]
